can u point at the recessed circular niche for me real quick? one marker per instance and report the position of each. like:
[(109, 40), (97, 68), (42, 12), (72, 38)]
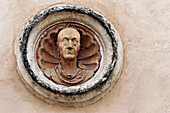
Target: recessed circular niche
[(69, 55)]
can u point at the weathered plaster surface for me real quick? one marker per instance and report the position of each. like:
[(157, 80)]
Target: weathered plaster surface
[(144, 85)]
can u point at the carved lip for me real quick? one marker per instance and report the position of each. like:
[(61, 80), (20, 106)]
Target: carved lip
[(70, 51)]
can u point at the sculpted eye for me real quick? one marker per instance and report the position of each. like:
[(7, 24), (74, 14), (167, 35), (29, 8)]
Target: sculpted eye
[(65, 40), (74, 40)]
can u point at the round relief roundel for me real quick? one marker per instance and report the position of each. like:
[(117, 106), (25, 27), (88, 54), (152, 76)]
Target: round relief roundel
[(68, 39), (68, 55)]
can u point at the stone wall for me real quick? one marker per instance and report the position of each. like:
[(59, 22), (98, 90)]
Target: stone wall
[(144, 85)]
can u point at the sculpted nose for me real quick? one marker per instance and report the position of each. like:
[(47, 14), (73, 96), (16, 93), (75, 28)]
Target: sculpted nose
[(70, 46)]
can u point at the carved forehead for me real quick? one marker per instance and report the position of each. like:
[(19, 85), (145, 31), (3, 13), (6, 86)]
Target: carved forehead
[(69, 33)]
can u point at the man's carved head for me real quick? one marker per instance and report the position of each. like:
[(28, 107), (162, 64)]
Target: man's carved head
[(69, 43)]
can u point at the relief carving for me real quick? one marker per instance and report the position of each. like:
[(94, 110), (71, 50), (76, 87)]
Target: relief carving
[(68, 54)]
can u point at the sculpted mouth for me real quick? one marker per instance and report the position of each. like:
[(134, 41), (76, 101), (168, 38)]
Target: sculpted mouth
[(70, 51)]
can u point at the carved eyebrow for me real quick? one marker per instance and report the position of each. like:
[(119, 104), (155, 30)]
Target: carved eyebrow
[(65, 38), (73, 38)]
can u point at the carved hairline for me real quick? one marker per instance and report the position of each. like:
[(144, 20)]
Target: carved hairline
[(68, 28)]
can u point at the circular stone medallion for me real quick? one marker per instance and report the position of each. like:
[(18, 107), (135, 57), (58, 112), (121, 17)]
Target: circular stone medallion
[(69, 55)]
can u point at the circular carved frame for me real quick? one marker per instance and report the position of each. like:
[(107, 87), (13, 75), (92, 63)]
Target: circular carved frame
[(88, 92)]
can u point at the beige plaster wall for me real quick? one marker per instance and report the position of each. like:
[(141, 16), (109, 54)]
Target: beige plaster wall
[(144, 85)]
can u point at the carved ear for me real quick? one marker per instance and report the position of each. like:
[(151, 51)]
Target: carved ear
[(79, 47)]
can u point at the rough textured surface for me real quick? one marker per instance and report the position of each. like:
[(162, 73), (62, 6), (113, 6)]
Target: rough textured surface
[(144, 85)]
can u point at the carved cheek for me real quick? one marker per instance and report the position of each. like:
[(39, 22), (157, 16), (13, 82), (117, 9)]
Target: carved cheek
[(63, 45)]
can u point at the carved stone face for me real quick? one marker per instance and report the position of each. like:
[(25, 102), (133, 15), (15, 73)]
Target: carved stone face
[(69, 43)]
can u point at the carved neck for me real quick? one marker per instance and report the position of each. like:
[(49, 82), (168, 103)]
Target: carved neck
[(69, 66)]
